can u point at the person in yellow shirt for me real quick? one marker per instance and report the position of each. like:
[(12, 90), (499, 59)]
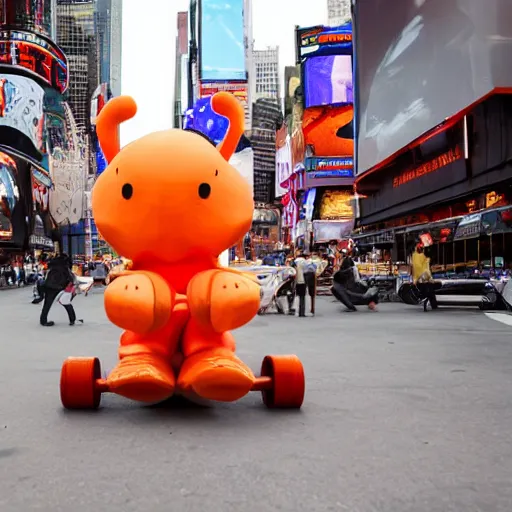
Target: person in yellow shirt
[(422, 276)]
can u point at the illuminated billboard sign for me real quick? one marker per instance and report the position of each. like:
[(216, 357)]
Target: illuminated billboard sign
[(222, 40), (238, 90), (339, 167), (320, 40), (36, 54)]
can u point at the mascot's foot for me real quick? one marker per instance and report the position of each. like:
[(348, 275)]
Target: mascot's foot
[(216, 375), (145, 379)]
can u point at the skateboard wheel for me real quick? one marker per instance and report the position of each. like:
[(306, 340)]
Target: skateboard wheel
[(78, 383), (288, 382)]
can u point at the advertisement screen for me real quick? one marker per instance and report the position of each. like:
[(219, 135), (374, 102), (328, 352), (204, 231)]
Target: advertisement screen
[(222, 40), (36, 54), (329, 131), (328, 80), (330, 167), (320, 40), (419, 63), (21, 110), (9, 195), (33, 15), (238, 90)]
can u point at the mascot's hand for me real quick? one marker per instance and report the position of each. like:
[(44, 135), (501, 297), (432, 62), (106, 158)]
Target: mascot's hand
[(223, 300), (140, 302)]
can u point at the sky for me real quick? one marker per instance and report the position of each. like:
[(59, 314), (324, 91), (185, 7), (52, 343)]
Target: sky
[(147, 67)]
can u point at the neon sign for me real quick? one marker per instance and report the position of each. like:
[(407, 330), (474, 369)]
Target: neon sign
[(322, 40), (434, 165), (36, 54), (330, 167)]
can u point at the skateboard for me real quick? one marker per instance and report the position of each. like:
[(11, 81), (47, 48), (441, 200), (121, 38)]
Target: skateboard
[(281, 382)]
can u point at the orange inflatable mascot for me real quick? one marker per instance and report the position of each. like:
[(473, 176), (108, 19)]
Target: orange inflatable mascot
[(171, 203)]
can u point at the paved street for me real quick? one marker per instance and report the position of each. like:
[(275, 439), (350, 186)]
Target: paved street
[(404, 412)]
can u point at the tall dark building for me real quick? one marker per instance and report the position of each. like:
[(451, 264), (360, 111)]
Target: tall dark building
[(77, 37)]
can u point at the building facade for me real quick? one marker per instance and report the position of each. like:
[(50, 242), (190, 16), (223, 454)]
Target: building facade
[(338, 12), (181, 70), (266, 73), (77, 37)]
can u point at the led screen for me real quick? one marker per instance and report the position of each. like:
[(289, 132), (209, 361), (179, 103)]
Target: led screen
[(222, 40), (328, 80), (328, 131), (21, 109), (9, 195), (420, 62), (36, 54)]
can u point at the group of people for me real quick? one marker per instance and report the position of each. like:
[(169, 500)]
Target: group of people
[(59, 284)]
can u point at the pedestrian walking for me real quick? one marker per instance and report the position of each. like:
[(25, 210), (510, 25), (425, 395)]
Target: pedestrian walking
[(305, 282), (59, 281), (422, 277)]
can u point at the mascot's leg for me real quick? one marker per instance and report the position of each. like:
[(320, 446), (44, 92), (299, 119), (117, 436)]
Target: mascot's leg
[(145, 371), (211, 368)]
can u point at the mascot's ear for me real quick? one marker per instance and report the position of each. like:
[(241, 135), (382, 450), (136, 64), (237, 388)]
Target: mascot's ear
[(115, 112), (227, 105)]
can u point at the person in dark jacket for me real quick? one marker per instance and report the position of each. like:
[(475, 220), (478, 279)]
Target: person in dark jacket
[(348, 290), (58, 277)]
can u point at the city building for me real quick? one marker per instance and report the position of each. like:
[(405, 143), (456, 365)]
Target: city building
[(249, 64), (181, 70), (108, 23), (338, 12), (89, 33), (77, 37), (266, 73)]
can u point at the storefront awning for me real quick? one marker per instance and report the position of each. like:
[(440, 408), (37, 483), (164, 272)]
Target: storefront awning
[(442, 231), (497, 221), (469, 227), (375, 239)]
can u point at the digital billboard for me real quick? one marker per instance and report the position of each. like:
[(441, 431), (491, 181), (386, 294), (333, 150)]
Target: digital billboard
[(420, 63), (330, 167), (21, 110), (238, 90), (321, 41), (328, 131), (9, 195), (36, 54), (328, 80), (34, 15), (221, 40)]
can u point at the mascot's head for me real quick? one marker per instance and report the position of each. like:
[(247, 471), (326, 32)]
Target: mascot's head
[(170, 195)]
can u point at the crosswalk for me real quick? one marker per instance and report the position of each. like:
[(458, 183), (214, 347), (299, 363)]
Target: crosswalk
[(504, 318)]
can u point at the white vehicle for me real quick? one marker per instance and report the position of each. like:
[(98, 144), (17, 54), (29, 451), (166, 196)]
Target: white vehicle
[(277, 286)]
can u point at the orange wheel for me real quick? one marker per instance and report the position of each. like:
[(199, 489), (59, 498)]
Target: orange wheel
[(288, 382), (78, 383)]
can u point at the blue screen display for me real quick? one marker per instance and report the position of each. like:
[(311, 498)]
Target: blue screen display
[(222, 40)]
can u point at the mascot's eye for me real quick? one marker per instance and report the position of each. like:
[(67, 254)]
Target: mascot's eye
[(127, 191), (204, 190)]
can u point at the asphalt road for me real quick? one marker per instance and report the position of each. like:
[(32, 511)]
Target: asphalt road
[(405, 411)]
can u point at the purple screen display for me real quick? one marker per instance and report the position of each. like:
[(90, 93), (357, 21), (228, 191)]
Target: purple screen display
[(329, 80)]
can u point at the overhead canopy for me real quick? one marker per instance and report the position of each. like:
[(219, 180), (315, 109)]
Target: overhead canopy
[(386, 237), (469, 227), (497, 221)]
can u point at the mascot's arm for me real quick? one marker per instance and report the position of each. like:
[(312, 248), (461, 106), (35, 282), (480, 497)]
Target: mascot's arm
[(223, 300), (140, 302)]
